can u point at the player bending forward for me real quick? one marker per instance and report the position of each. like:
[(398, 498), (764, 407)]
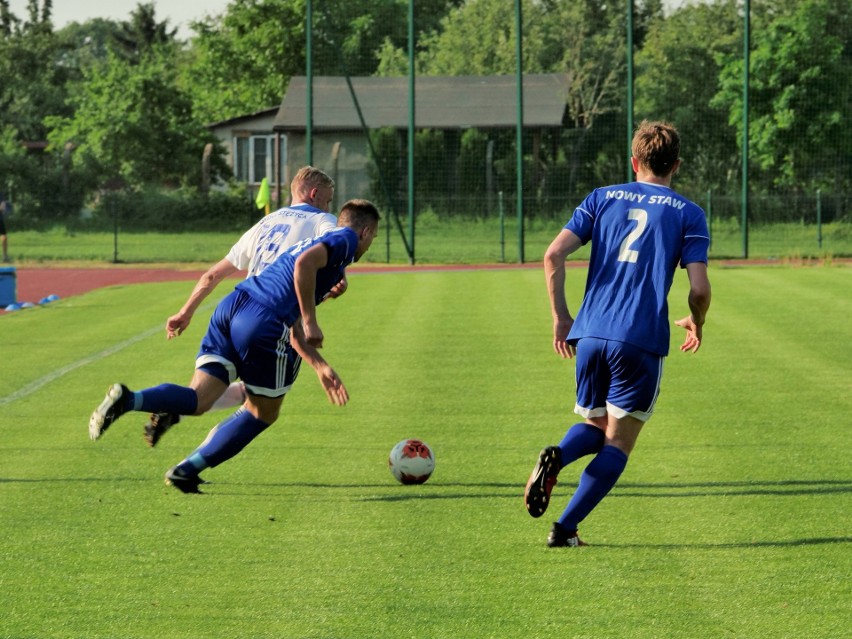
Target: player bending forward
[(311, 191), (639, 233), (255, 334)]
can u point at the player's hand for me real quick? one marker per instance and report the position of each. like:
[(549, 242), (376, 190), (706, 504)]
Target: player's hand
[(337, 290), (561, 327), (176, 325), (332, 385), (693, 334), (313, 334)]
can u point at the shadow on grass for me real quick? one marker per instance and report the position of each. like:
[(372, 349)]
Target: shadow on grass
[(786, 543), (787, 487), (645, 490), (436, 489)]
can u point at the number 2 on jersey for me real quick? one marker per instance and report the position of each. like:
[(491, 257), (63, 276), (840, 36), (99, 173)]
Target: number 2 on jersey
[(625, 253)]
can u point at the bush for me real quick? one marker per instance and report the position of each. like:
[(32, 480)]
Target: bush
[(173, 211)]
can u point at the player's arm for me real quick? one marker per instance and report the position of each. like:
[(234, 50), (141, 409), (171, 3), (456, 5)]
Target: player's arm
[(329, 223), (305, 280), (554, 272), (331, 383), (699, 303), (178, 322)]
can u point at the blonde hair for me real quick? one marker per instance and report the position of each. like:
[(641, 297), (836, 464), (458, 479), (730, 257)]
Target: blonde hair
[(308, 178), (656, 145)]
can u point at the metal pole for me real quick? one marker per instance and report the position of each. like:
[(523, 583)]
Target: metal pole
[(411, 121), (502, 227), (744, 200), (309, 79), (819, 217), (519, 134), (629, 88), (114, 228)]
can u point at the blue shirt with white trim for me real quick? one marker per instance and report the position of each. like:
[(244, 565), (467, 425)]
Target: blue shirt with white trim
[(275, 287), (639, 232)]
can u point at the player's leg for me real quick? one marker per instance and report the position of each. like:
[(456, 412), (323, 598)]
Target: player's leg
[(598, 478), (214, 371), (214, 364), (161, 422), (4, 242), (581, 439), (225, 441), (265, 342), (633, 391), (165, 398), (233, 396)]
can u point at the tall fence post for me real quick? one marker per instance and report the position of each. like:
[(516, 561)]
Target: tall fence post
[(744, 202), (309, 83), (819, 217), (502, 227), (411, 124), (519, 61), (629, 89)]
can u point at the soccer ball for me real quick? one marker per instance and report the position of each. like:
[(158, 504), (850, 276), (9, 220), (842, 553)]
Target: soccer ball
[(411, 461)]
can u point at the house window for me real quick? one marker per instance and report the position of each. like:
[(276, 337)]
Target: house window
[(261, 159), (241, 159), (253, 158)]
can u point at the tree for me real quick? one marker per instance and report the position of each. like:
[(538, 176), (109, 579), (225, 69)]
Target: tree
[(33, 83), (132, 122), (84, 44), (677, 77), (139, 35), (801, 94), (242, 60)]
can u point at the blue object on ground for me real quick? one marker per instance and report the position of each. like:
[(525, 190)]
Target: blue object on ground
[(8, 291)]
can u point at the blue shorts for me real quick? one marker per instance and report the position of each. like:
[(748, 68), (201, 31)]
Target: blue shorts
[(252, 343), (615, 378)]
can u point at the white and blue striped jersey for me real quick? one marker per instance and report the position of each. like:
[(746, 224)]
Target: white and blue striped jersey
[(275, 286), (639, 232), (275, 233)]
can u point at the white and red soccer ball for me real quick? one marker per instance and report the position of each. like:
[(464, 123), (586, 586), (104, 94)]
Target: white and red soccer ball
[(411, 461)]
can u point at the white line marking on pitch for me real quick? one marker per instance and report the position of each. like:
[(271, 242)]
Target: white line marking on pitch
[(32, 387)]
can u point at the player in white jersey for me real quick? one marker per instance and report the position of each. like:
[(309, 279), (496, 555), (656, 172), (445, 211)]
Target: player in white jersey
[(639, 232), (311, 193)]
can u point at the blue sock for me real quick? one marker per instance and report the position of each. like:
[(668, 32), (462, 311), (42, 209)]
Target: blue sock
[(166, 398), (225, 441), (580, 440), (595, 482)]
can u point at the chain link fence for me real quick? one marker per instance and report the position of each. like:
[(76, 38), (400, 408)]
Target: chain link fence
[(791, 200)]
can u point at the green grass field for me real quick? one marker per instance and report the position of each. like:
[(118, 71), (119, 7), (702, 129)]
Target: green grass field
[(731, 520)]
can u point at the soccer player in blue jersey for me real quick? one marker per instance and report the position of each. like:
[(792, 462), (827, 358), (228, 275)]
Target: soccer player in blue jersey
[(311, 193), (255, 334), (640, 232)]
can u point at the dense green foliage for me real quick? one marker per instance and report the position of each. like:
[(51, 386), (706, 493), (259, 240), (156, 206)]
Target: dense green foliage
[(731, 520)]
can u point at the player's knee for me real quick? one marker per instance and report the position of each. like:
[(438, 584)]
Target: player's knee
[(266, 409)]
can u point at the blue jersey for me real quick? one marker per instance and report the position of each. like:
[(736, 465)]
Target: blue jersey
[(275, 286), (640, 232)]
